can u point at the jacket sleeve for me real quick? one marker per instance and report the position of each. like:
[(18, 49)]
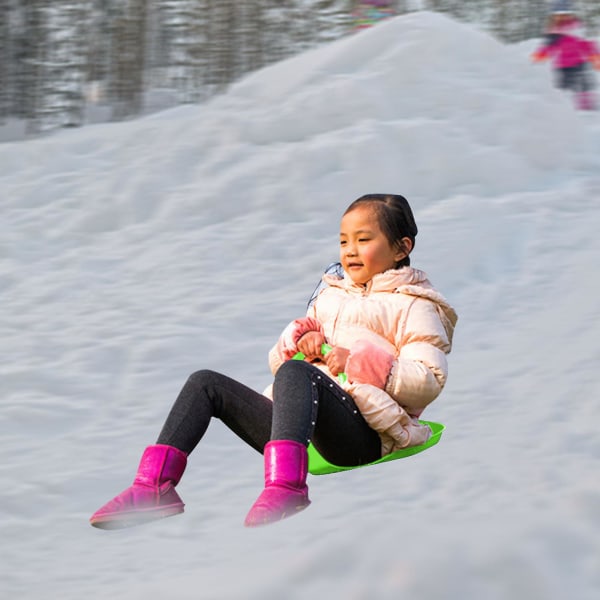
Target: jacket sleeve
[(419, 373), (594, 55), (539, 55), (395, 426)]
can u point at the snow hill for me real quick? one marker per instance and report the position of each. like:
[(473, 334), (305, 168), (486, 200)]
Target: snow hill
[(132, 254)]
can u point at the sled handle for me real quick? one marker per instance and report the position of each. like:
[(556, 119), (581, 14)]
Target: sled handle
[(325, 349)]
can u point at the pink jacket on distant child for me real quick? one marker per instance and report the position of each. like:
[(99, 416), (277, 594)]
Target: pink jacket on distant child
[(566, 49)]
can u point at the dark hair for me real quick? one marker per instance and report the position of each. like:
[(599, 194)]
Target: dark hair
[(395, 219)]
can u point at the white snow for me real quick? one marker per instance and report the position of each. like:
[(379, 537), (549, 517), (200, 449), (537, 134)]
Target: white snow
[(133, 254)]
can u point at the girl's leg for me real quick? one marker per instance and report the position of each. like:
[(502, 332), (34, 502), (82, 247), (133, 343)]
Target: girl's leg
[(561, 78), (208, 394), (310, 407), (307, 402), (586, 97)]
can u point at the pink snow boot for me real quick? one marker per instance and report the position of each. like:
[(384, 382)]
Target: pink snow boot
[(285, 493), (586, 100), (152, 495)]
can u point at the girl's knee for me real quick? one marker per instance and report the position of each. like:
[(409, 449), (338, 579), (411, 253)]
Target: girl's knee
[(293, 366), (292, 372), (202, 377)]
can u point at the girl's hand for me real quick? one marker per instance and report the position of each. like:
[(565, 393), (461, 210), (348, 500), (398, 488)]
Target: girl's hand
[(336, 359), (310, 345)]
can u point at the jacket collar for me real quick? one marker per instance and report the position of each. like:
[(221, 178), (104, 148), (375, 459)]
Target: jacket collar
[(388, 281)]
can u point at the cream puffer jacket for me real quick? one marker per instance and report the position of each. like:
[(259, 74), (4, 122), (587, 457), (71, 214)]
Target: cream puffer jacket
[(399, 330)]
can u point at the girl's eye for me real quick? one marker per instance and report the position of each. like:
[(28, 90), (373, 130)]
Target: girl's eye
[(363, 239)]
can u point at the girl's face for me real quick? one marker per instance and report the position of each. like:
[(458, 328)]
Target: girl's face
[(364, 249)]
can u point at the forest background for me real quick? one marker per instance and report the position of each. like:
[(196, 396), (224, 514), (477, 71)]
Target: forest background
[(65, 63)]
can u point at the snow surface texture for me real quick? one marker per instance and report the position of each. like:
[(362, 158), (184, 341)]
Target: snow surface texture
[(133, 254)]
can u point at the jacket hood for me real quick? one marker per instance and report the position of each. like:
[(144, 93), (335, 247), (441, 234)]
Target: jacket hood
[(572, 27)]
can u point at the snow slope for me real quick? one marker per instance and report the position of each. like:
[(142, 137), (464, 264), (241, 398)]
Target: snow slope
[(132, 254)]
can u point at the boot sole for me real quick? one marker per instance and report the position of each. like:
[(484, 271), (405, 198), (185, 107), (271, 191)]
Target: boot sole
[(267, 518), (122, 521)]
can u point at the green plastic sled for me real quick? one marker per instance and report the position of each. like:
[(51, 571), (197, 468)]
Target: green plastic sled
[(317, 465)]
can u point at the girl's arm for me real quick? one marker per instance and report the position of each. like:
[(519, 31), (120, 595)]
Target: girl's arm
[(419, 373), (594, 54), (545, 51), (287, 344)]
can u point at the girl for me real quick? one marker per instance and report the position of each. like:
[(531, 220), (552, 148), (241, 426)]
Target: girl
[(390, 331), (572, 55)]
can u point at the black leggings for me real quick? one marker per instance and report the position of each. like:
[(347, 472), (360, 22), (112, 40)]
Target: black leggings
[(577, 78), (307, 407)]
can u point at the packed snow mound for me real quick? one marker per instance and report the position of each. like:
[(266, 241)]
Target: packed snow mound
[(416, 92), (133, 254), (422, 103)]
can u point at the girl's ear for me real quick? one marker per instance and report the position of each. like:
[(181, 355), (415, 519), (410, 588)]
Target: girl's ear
[(404, 248)]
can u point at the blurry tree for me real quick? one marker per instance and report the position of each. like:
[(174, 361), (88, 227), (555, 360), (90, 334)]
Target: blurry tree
[(53, 53), (126, 74), (281, 21), (6, 60), (224, 19), (523, 19), (332, 19), (177, 46), (508, 20), (319, 21), (98, 39), (63, 68), (458, 8), (27, 40), (251, 36), (590, 12)]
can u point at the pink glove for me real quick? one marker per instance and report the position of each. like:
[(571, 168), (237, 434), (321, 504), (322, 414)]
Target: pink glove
[(287, 345), (368, 363), (539, 56)]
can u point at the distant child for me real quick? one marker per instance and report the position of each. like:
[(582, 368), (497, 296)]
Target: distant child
[(367, 13), (572, 55), (390, 332)]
